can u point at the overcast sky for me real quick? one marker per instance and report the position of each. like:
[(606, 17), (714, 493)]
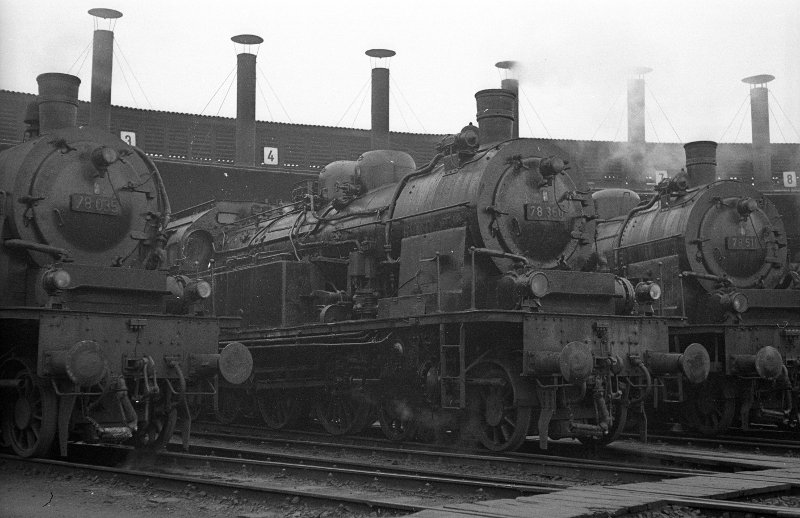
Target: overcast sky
[(575, 55)]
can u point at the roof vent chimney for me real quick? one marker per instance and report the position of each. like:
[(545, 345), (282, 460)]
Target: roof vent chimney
[(102, 67), (759, 116), (510, 83), (380, 97), (246, 100)]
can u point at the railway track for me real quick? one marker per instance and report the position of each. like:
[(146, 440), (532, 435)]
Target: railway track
[(536, 468), (779, 443)]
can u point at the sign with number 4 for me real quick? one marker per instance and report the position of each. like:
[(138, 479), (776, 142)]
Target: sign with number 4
[(271, 155), (789, 179)]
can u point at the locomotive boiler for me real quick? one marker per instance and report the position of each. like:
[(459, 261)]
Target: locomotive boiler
[(719, 251), (451, 297), (87, 349)]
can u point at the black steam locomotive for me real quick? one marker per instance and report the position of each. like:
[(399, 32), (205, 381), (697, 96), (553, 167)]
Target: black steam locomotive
[(460, 295), (87, 348), (719, 251)]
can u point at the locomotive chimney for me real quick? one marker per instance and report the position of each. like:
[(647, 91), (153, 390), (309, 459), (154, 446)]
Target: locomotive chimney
[(759, 116), (512, 85), (495, 115), (246, 100), (102, 65), (380, 98), (58, 101), (701, 162), (636, 130)]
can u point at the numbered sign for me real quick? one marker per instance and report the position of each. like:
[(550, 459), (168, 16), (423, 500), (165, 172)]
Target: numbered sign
[(661, 175), (271, 155), (789, 179), (129, 137)]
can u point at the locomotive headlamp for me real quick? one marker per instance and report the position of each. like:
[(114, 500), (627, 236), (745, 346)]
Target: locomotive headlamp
[(647, 292), (103, 156), (552, 166), (736, 302), (197, 290), (56, 280), (739, 302), (539, 284), (746, 205)]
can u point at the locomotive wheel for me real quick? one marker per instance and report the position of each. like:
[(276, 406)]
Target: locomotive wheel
[(712, 407), (619, 412), (501, 425), (342, 413), (397, 420), (159, 430), (279, 408), (196, 404), (227, 406), (30, 418)]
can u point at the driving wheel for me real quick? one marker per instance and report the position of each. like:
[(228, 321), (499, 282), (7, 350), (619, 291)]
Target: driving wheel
[(501, 424), (30, 416)]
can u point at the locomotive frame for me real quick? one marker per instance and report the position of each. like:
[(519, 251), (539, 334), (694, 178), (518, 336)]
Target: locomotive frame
[(719, 249), (451, 294), (97, 341)]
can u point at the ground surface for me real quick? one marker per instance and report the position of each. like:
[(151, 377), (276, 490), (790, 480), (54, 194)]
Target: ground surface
[(28, 493)]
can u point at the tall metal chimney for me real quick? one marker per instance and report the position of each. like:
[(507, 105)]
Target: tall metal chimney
[(512, 85), (102, 66), (58, 101), (636, 130), (759, 116), (246, 100), (380, 98)]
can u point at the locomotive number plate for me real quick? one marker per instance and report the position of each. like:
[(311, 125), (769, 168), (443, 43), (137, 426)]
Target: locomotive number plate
[(547, 212), (95, 204), (741, 243)]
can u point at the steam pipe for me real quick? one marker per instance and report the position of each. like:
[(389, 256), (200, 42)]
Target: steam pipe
[(400, 186), (159, 185), (55, 252)]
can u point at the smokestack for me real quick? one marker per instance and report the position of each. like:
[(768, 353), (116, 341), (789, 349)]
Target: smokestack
[(246, 100), (102, 65), (636, 130), (701, 162), (495, 115), (380, 98), (759, 116), (512, 85), (58, 101)]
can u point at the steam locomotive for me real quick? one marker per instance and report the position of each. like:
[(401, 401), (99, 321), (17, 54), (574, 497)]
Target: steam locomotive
[(461, 296), (719, 251), (87, 348)]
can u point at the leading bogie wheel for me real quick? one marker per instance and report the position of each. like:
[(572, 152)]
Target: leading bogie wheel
[(711, 406), (501, 425), (227, 405), (343, 412), (397, 420), (280, 409), (619, 416), (30, 416)]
